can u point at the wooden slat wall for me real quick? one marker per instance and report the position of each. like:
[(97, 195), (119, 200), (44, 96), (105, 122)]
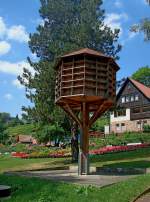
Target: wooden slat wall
[(89, 77)]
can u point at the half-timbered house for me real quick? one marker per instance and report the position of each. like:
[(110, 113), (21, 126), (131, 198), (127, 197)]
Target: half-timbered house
[(133, 108)]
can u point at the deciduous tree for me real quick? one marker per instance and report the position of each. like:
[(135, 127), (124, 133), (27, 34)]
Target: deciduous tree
[(143, 75)]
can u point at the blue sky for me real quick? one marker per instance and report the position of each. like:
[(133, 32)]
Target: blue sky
[(18, 18)]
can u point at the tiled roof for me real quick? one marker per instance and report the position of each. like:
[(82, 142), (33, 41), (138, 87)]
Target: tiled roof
[(145, 90)]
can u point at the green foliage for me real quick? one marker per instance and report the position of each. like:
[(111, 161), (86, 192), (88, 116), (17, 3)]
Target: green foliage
[(146, 128), (4, 138), (4, 117), (67, 25), (100, 123), (48, 133), (7, 120), (26, 129), (122, 139), (143, 75), (143, 26)]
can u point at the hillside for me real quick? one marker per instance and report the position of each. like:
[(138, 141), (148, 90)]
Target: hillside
[(26, 129)]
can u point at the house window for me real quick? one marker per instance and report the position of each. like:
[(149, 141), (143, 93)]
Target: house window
[(146, 109), (136, 97), (132, 98), (123, 99), (144, 122), (121, 112), (138, 125), (136, 110), (118, 127), (127, 99), (123, 127)]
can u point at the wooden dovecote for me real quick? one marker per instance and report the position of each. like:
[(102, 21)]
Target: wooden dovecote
[(85, 82)]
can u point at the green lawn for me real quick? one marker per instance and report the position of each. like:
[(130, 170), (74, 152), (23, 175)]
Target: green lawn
[(37, 190), (8, 163), (139, 159)]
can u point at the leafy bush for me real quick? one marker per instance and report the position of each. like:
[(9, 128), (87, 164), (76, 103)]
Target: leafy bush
[(48, 133), (122, 139), (146, 128), (100, 123)]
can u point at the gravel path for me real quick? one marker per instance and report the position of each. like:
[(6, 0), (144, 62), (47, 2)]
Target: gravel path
[(145, 198), (72, 177)]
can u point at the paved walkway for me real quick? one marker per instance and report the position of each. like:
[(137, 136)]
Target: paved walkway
[(72, 177), (145, 198)]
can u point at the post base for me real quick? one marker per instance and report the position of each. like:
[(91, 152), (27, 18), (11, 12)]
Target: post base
[(83, 164)]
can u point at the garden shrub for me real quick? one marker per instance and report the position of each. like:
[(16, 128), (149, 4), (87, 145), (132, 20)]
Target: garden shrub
[(146, 128)]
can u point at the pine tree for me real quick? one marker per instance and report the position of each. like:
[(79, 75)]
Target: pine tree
[(67, 25), (143, 26)]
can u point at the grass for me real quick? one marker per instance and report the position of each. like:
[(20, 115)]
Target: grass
[(8, 163), (26, 129), (139, 158), (132, 156), (37, 190)]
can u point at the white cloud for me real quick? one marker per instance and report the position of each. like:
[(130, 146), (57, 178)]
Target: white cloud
[(131, 35), (118, 4), (4, 47), (14, 68), (8, 96), (34, 56), (2, 27), (114, 20), (15, 32), (18, 33), (17, 84), (38, 21)]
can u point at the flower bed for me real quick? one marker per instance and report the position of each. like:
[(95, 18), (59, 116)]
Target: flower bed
[(19, 155), (47, 154), (66, 153), (111, 149)]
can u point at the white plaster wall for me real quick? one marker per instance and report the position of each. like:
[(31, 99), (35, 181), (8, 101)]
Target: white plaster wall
[(120, 118)]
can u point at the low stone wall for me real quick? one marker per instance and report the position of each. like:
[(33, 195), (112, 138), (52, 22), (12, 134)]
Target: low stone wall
[(112, 171)]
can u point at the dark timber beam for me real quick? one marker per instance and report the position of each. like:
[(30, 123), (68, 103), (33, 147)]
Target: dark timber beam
[(68, 110), (96, 114)]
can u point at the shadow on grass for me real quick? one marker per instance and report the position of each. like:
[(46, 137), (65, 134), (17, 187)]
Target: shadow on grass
[(129, 164), (124, 168), (141, 153)]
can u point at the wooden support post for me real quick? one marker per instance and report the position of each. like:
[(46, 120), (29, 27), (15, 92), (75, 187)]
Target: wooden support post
[(84, 142)]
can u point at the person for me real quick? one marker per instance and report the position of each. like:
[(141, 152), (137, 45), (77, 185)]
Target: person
[(74, 143)]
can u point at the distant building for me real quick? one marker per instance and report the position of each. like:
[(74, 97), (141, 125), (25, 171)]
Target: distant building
[(133, 108), (26, 139)]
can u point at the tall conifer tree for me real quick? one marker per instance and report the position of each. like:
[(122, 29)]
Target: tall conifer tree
[(67, 25)]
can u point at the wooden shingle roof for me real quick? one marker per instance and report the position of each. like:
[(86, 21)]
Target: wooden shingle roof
[(142, 88)]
